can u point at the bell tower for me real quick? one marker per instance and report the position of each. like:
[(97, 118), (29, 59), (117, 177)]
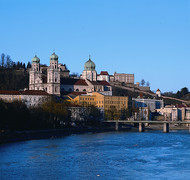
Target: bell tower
[(53, 76), (34, 72)]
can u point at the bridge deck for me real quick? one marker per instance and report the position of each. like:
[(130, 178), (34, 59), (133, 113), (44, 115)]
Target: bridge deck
[(150, 122)]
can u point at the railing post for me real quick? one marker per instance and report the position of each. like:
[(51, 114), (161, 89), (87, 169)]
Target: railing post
[(116, 126), (166, 127), (141, 127)]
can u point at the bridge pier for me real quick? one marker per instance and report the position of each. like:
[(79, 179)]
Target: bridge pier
[(117, 126), (166, 127), (141, 127)]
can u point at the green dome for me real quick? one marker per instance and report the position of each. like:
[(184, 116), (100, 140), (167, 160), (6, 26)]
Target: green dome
[(89, 65), (35, 60), (54, 57)]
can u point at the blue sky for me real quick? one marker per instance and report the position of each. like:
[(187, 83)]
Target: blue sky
[(150, 38)]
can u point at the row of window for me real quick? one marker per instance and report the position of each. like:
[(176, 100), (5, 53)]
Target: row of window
[(115, 102), (91, 99)]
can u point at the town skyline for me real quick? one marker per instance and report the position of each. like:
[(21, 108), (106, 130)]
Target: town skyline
[(146, 38)]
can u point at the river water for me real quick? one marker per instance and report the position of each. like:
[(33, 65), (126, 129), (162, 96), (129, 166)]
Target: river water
[(111, 155)]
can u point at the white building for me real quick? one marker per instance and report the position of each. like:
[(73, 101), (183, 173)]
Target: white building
[(32, 98), (152, 104), (103, 76), (158, 92), (49, 82), (125, 78)]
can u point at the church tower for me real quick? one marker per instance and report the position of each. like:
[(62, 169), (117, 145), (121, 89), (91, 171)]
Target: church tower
[(89, 71), (53, 76), (34, 73)]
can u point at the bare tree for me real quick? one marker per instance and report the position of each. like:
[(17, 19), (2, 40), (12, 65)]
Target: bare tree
[(8, 61), (142, 82), (2, 59)]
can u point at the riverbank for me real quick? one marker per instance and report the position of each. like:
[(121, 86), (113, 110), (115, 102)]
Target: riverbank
[(14, 136), (172, 127)]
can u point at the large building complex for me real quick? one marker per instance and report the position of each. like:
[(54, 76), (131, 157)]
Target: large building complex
[(55, 78), (103, 101)]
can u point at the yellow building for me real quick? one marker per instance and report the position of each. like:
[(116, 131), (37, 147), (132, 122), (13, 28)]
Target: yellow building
[(102, 101)]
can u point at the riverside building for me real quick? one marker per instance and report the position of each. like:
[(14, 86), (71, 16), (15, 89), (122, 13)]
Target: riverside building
[(102, 101)]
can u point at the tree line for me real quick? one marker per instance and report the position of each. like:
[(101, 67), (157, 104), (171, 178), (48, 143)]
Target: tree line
[(52, 114), (7, 63), (181, 94), (13, 75)]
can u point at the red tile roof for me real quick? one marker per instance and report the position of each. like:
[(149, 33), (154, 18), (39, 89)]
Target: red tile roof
[(104, 73), (94, 82), (27, 92), (10, 92), (70, 81), (34, 92), (105, 83)]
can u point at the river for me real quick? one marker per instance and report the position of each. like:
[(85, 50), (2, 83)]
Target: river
[(110, 155)]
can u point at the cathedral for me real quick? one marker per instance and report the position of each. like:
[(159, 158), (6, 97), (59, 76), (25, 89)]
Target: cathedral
[(49, 81), (55, 79)]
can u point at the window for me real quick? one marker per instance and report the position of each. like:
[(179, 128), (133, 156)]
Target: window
[(77, 90), (84, 89)]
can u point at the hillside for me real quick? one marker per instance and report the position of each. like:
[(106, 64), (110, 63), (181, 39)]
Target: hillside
[(13, 79), (135, 92)]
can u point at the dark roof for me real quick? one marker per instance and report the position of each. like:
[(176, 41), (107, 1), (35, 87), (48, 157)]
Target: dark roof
[(105, 83), (71, 81), (26, 92), (95, 82), (34, 92), (76, 93), (104, 73), (181, 105), (10, 92)]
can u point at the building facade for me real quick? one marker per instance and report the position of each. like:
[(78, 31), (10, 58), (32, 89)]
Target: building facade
[(102, 101), (32, 98), (152, 104), (124, 78), (49, 82), (89, 71)]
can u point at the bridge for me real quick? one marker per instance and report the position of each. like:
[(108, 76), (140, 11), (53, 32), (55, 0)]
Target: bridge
[(166, 124)]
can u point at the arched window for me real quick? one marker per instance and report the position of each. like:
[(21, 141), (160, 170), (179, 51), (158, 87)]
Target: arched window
[(84, 90), (77, 90)]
